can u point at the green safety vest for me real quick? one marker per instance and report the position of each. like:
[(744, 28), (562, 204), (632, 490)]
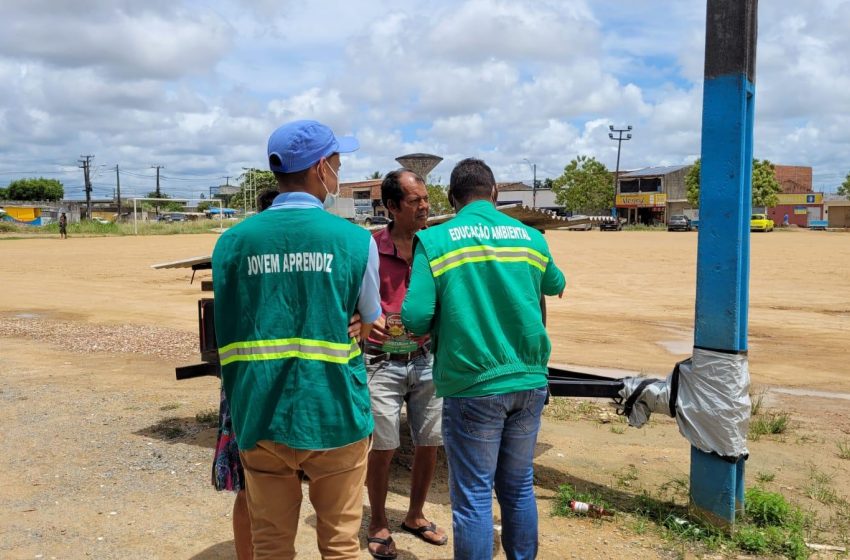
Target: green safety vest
[(286, 282), (476, 286)]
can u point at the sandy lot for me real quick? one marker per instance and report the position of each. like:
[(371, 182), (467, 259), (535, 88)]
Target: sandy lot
[(104, 456)]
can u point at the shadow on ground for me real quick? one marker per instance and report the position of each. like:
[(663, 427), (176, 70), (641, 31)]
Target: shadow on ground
[(182, 430), (222, 551)]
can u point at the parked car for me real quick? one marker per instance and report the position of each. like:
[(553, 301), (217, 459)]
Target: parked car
[(678, 222), (375, 221), (760, 222), (613, 224)]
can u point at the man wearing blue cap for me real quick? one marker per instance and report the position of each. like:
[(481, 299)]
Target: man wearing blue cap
[(286, 282)]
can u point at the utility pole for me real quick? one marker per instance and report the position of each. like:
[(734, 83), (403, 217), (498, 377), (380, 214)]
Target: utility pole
[(86, 167), (620, 139), (533, 182), (723, 260), (252, 190), (158, 195), (118, 188)]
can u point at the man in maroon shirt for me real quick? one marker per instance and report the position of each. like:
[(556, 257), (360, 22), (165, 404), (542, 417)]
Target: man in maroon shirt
[(400, 371)]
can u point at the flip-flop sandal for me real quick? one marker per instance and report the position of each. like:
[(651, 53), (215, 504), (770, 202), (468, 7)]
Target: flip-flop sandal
[(384, 542), (419, 533)]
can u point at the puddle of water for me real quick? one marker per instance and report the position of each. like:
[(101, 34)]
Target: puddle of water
[(26, 316), (677, 347)]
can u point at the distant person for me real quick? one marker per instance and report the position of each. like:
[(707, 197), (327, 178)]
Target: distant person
[(286, 282), (476, 286), (785, 220), (400, 372), (265, 198), (63, 226)]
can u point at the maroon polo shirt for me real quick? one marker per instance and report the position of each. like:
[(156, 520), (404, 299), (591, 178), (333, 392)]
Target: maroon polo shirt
[(394, 273)]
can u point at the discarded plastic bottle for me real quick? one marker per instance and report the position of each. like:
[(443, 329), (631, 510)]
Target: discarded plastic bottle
[(591, 510)]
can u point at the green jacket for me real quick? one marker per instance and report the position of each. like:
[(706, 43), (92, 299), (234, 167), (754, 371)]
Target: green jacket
[(286, 282), (476, 286)]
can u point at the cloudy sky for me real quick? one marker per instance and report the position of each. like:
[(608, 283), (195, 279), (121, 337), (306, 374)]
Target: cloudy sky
[(197, 86)]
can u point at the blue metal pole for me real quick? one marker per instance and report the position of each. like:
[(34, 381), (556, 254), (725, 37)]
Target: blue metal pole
[(723, 255)]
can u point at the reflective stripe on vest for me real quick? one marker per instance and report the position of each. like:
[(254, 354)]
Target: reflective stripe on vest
[(479, 253), (276, 349)]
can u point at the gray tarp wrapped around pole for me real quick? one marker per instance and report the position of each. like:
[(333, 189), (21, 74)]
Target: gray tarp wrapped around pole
[(712, 403)]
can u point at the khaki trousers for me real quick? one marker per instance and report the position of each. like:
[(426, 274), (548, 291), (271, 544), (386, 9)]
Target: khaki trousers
[(274, 497)]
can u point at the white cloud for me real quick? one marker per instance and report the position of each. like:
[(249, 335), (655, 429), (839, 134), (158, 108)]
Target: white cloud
[(199, 86), (117, 40)]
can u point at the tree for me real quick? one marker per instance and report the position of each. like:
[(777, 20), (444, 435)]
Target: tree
[(253, 181), (204, 206), (843, 189), (585, 186), (547, 183), (35, 189), (765, 186), (692, 184), (374, 175), (438, 198), (167, 206)]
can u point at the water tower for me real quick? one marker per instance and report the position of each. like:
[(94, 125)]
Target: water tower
[(421, 164)]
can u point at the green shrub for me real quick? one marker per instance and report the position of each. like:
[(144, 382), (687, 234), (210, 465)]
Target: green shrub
[(766, 508)]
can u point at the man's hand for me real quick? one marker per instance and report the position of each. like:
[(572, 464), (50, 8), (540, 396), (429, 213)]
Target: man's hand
[(561, 295), (379, 330), (354, 327)]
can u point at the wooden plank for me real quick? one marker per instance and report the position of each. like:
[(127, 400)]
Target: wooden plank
[(185, 263)]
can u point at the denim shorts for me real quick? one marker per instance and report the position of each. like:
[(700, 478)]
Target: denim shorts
[(392, 383)]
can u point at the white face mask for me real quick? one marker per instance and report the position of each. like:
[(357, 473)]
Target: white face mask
[(330, 199)]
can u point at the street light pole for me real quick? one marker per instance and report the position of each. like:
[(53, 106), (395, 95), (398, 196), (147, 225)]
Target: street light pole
[(533, 182), (620, 139)]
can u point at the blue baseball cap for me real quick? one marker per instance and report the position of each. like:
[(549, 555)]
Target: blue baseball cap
[(300, 144)]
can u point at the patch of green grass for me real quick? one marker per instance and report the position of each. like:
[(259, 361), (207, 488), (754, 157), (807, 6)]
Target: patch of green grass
[(91, 228), (617, 429), (756, 403), (769, 423), (642, 227), (772, 526), (820, 487), (843, 449), (766, 508), (765, 477), (170, 406), (208, 418), (587, 408), (676, 489), (769, 526), (566, 408), (567, 493), (626, 476)]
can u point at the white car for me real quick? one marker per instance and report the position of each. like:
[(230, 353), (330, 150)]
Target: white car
[(101, 220)]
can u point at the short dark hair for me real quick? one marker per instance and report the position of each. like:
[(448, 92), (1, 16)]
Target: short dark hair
[(471, 178), (391, 185), (288, 180), (265, 198)]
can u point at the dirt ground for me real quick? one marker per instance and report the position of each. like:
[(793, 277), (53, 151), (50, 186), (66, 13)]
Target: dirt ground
[(107, 456)]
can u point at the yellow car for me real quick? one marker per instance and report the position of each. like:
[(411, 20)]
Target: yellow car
[(760, 222)]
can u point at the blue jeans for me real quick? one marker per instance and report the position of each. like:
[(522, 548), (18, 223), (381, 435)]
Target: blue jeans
[(489, 443)]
